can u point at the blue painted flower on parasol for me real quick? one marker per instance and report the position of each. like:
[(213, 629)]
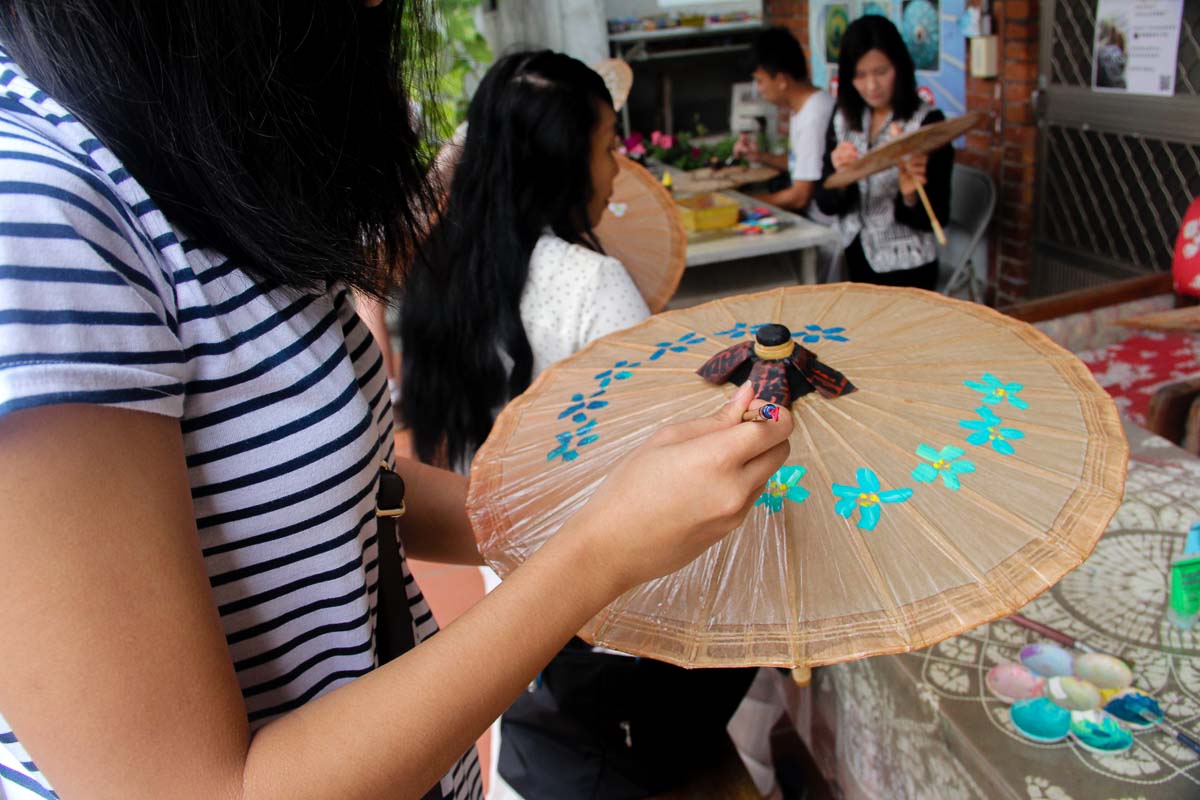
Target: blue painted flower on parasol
[(739, 330), (811, 334), (867, 497), (619, 372), (568, 442), (996, 391), (989, 430), (944, 462), (785, 483), (680, 345), (579, 403)]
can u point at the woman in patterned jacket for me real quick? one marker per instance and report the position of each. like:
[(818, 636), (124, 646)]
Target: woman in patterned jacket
[(886, 233)]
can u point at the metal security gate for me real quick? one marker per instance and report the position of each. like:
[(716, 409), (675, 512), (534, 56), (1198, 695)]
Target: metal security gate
[(1115, 172)]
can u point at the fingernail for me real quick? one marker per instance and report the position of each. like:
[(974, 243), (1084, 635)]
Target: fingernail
[(767, 413)]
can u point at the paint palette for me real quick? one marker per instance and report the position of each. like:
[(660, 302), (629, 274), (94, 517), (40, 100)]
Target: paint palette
[(1056, 694)]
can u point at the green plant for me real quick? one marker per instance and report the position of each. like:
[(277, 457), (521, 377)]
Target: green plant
[(684, 150), (447, 56)]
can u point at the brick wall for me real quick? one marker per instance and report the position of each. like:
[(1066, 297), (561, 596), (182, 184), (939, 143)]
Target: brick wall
[(792, 14), (1004, 145), (1017, 24)]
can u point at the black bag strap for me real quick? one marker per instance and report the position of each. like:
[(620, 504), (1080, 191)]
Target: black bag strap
[(394, 633), (394, 629)]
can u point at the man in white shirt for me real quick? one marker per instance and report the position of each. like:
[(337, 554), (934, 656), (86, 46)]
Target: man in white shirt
[(781, 77)]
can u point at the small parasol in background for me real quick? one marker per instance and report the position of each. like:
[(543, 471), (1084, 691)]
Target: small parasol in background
[(709, 179), (618, 77), (1175, 319), (1185, 266), (643, 230), (948, 464)]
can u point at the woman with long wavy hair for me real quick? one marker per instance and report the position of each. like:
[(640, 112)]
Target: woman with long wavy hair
[(513, 278)]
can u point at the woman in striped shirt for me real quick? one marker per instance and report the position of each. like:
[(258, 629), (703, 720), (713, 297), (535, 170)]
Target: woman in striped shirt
[(191, 418)]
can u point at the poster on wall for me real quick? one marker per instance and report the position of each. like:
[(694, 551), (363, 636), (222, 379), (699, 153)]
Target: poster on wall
[(920, 28), (930, 28), (1136, 46), (837, 19)]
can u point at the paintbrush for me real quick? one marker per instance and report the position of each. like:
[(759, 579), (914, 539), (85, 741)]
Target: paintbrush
[(1180, 736)]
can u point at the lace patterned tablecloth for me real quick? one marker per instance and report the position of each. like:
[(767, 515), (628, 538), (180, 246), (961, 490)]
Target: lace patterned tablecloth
[(923, 725)]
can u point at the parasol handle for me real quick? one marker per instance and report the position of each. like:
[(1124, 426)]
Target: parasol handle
[(933, 220), (802, 675)]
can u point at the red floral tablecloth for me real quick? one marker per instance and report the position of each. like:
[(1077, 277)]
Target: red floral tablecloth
[(1134, 369)]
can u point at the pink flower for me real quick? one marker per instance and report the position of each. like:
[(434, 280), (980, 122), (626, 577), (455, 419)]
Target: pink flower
[(656, 138), (637, 150), (633, 140)]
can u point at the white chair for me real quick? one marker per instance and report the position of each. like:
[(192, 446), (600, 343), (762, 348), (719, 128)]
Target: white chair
[(972, 203)]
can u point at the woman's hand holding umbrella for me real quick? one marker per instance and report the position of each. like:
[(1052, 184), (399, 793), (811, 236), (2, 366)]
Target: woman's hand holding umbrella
[(644, 525)]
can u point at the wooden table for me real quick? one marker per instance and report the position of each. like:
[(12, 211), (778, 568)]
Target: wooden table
[(797, 235)]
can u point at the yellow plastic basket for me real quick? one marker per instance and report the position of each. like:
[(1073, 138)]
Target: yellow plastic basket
[(708, 211)]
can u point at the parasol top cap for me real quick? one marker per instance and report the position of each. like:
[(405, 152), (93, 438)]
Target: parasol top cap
[(773, 335)]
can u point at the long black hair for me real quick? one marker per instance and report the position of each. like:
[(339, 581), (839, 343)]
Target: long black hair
[(865, 34), (277, 131), (525, 168)]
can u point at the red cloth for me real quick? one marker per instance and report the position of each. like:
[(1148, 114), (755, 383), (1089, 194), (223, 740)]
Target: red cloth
[(1186, 265), (1133, 370)]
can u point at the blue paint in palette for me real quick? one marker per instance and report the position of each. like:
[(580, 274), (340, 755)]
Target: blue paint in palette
[(1128, 706), (1040, 720), (1098, 732)]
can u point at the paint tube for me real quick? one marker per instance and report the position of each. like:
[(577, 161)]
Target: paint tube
[(1184, 607)]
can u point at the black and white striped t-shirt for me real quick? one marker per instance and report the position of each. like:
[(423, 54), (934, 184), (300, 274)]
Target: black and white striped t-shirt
[(281, 398)]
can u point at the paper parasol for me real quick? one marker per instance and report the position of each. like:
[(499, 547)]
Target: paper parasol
[(1186, 318), (643, 230), (618, 78), (925, 139), (1185, 265), (707, 179), (974, 465)]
